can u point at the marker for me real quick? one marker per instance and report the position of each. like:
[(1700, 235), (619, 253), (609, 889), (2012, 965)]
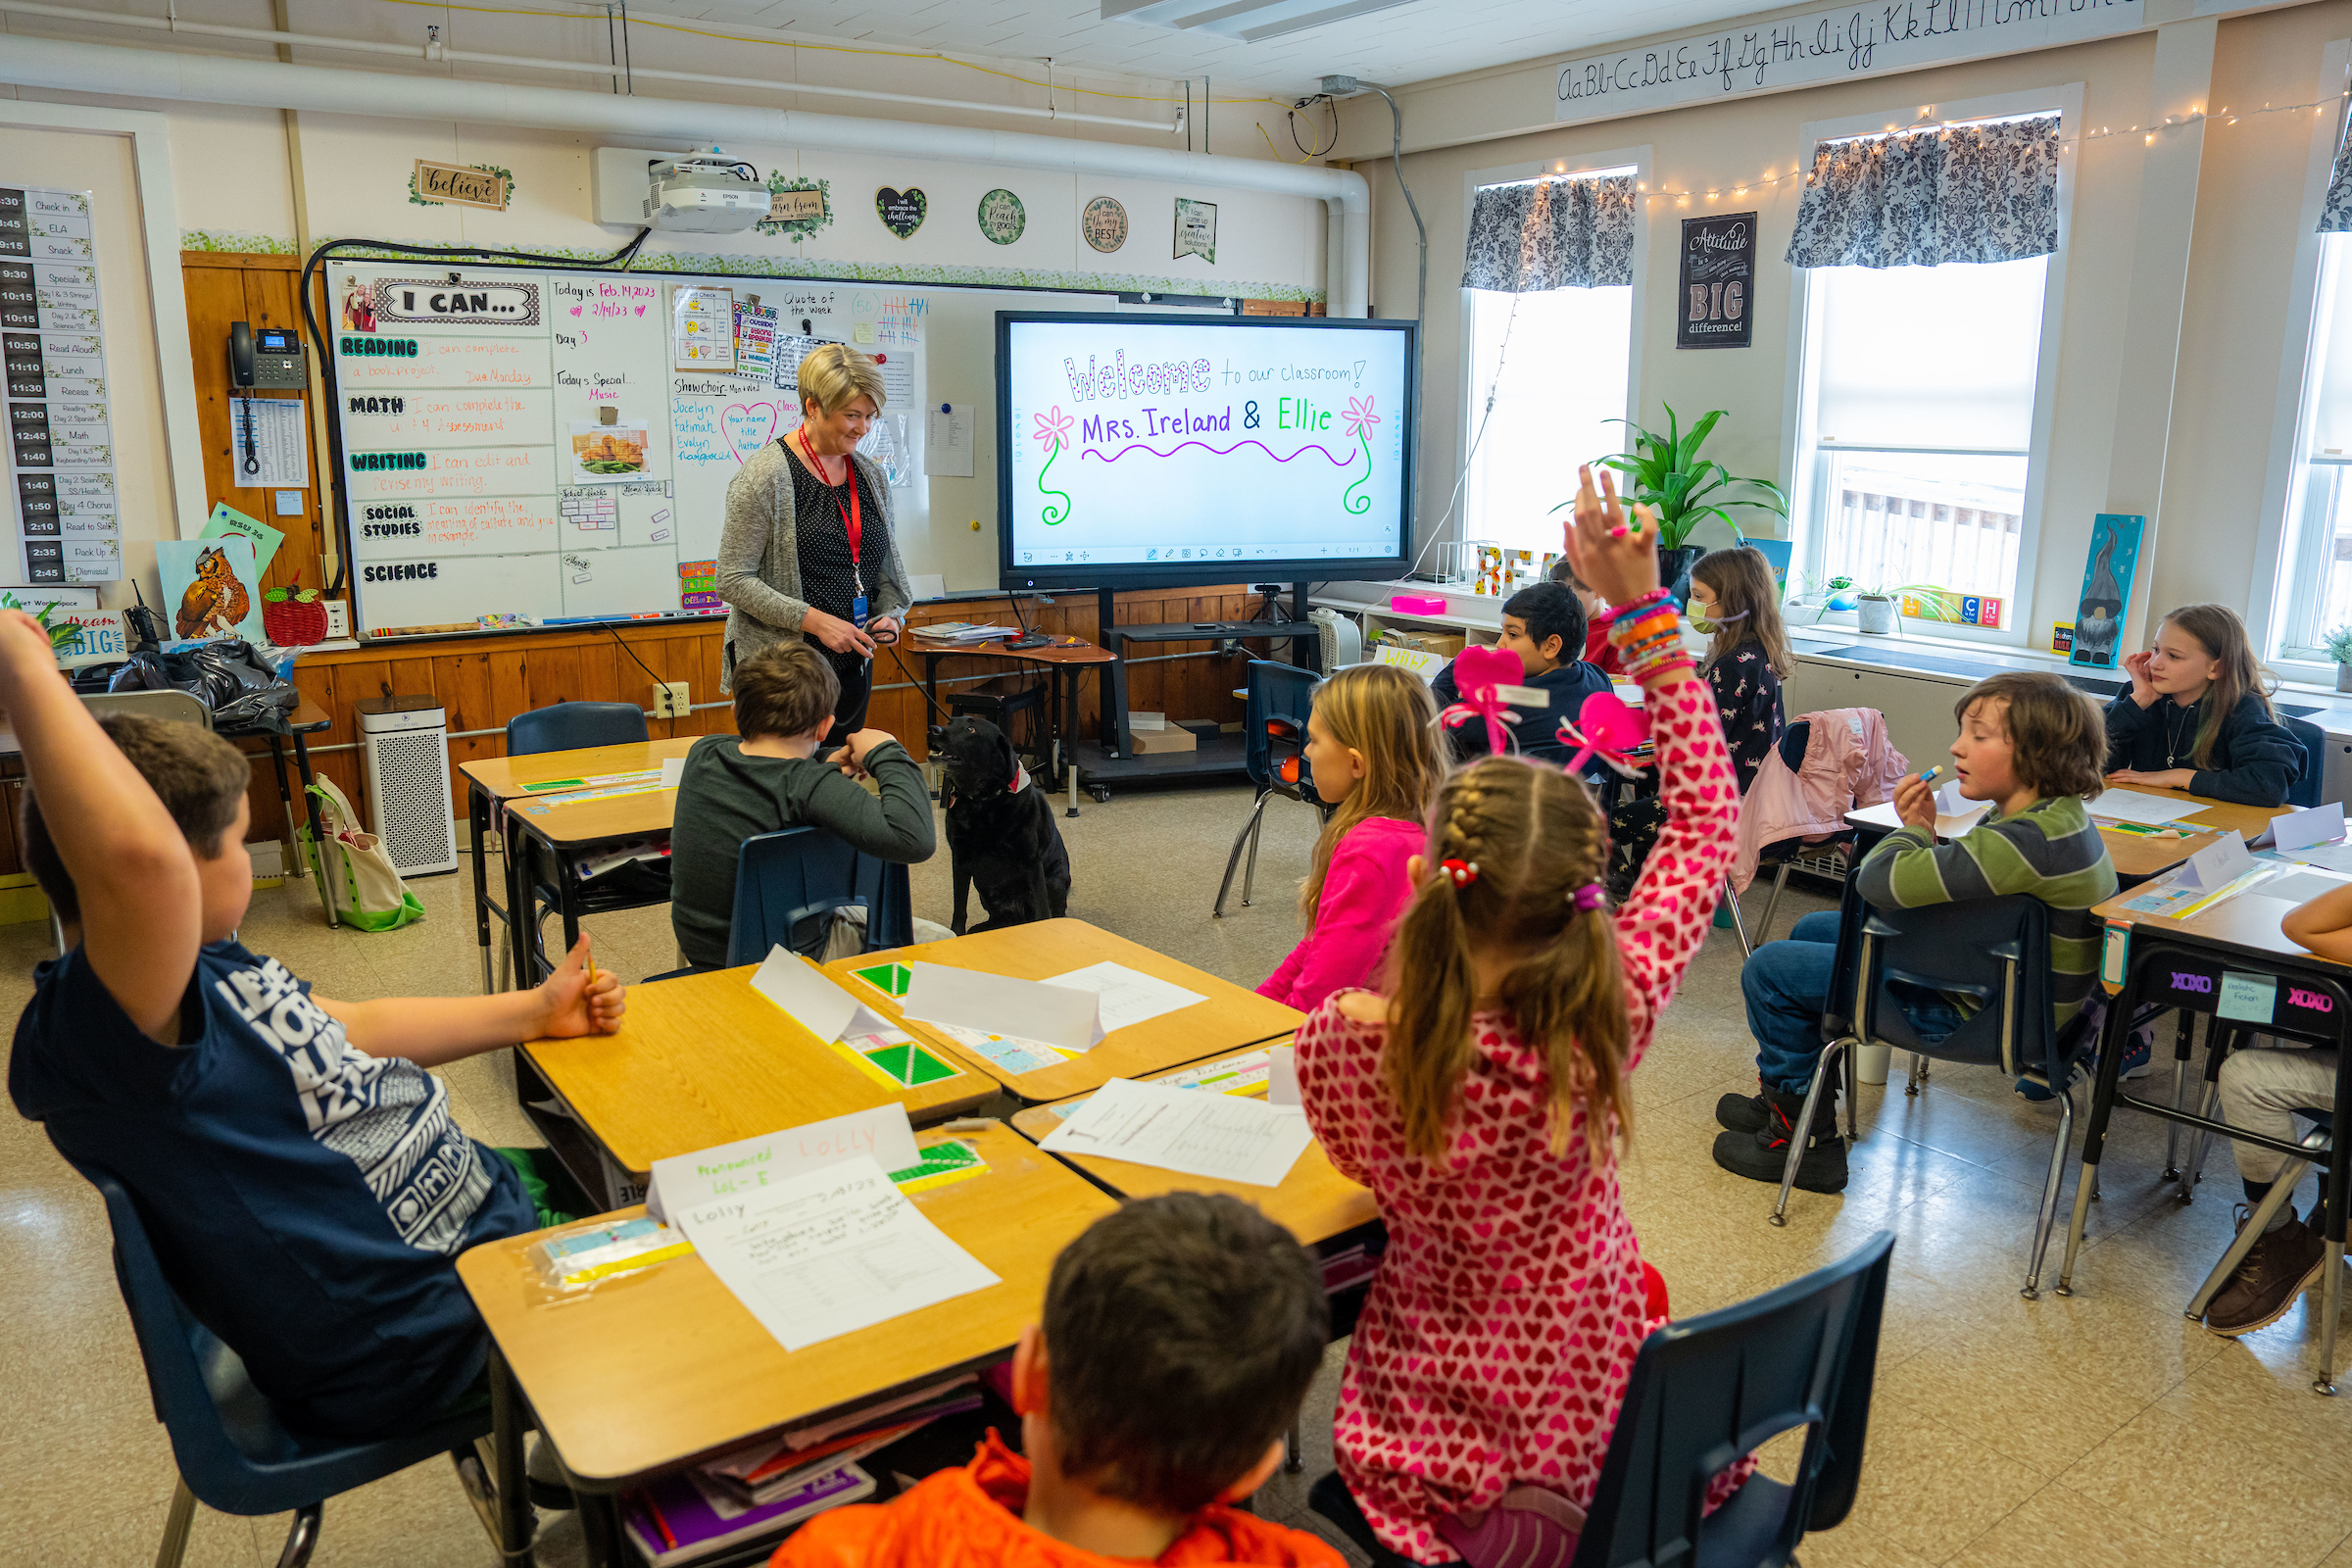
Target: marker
[(1928, 777)]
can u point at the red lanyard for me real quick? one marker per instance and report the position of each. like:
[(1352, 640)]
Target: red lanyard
[(850, 483)]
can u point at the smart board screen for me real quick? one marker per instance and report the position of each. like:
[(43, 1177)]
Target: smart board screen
[(1134, 449)]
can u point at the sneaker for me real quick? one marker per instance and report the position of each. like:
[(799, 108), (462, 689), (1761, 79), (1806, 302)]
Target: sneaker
[(2277, 1269), (1529, 1528), (1763, 1154), (1743, 1114)]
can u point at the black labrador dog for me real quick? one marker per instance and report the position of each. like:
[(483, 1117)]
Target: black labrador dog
[(1000, 832)]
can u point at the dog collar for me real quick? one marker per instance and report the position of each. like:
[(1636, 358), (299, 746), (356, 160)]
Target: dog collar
[(1020, 778)]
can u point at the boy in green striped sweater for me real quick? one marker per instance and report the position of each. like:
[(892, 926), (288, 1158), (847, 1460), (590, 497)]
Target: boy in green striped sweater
[(2033, 747)]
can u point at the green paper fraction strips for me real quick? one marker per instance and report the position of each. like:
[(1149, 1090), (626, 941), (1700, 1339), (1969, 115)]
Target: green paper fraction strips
[(910, 1064), (891, 979)]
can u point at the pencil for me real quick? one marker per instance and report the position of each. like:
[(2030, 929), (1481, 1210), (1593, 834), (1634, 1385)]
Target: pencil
[(653, 1510)]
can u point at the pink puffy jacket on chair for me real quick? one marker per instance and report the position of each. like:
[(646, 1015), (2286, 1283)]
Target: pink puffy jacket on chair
[(1849, 763)]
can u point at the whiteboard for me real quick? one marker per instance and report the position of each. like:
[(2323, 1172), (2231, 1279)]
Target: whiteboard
[(525, 447)]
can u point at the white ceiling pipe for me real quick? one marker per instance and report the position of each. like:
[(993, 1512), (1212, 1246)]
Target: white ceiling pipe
[(62, 65), (418, 51)]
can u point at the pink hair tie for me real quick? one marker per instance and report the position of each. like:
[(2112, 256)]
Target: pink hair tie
[(1591, 895)]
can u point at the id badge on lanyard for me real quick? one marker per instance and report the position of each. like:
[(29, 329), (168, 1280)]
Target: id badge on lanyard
[(856, 527)]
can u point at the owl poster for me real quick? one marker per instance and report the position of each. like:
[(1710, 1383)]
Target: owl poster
[(210, 588)]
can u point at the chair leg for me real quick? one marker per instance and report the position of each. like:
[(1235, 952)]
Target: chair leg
[(1234, 858), (1805, 1125), (1853, 1097), (2281, 1190), (177, 1524), (1250, 867), (1731, 899), (1294, 1456), (302, 1538), (2331, 1302), (2172, 1129), (1918, 1070), (1779, 881), (2051, 1184), (2198, 1142)]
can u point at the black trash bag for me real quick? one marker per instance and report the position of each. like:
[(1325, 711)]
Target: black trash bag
[(225, 675)]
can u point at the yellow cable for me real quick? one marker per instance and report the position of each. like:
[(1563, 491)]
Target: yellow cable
[(826, 48)]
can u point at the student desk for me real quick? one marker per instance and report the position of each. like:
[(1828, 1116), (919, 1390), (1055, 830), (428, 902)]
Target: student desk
[(651, 1371), (700, 1061), (1065, 665), (1315, 1202), (492, 781), (2136, 856), (2233, 965), (1229, 1020)]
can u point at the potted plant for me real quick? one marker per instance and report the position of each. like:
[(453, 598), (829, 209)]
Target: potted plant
[(2340, 648), (1665, 471), (1880, 609), (1835, 593)]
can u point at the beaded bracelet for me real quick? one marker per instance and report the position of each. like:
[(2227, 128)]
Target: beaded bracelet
[(1611, 615), (1652, 621)]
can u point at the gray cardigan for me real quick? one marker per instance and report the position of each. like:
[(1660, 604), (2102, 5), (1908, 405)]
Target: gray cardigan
[(759, 559)]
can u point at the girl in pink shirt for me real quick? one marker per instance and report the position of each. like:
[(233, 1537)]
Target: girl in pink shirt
[(1374, 752)]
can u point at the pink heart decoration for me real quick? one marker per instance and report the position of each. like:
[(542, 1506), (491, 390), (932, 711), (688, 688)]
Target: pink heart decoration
[(1608, 726), (1477, 672), (576, 308), (640, 310)]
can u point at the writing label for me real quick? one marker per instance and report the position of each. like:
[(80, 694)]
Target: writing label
[(2247, 998)]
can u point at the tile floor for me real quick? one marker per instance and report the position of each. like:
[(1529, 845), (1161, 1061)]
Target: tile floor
[(2074, 1432)]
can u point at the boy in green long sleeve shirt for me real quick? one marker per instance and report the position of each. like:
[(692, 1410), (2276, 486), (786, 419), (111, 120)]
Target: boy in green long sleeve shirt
[(768, 776), (2033, 747)]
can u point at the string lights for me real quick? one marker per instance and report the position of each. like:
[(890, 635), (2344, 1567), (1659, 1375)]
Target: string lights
[(1928, 122)]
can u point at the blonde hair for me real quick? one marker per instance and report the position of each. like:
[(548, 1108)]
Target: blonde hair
[(1741, 579), (1386, 716), (1537, 840), (2223, 636), (834, 374)]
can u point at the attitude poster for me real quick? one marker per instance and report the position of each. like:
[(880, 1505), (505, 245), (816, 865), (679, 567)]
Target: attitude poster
[(1718, 272)]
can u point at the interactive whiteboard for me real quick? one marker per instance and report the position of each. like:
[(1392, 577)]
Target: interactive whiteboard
[(1133, 448)]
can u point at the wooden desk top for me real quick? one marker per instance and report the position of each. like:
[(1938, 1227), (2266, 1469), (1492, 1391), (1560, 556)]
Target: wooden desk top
[(504, 777), (1314, 1201), (1231, 1019), (650, 1371), (2248, 919), (704, 1059), (2136, 854), (1049, 654)]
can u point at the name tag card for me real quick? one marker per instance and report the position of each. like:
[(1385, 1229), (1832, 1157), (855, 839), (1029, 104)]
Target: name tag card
[(2218, 865)]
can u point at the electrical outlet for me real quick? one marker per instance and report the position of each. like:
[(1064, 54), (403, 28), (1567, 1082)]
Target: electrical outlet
[(338, 619), (672, 700)]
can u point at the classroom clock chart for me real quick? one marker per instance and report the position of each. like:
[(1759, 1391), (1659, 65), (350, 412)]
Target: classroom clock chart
[(1140, 443)]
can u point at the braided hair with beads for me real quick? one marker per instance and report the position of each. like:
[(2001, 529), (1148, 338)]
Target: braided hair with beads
[(1516, 849)]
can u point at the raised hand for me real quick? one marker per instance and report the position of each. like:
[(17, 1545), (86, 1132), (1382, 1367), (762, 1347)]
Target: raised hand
[(1615, 555)]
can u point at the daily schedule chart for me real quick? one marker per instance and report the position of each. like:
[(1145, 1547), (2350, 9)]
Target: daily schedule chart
[(64, 523)]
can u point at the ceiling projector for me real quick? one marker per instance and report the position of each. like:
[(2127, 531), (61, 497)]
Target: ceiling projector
[(704, 193)]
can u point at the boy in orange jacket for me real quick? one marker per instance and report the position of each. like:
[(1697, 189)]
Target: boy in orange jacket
[(1180, 1336)]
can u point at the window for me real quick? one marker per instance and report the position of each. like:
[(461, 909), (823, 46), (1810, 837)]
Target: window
[(2320, 595), (1919, 389), (1558, 364)]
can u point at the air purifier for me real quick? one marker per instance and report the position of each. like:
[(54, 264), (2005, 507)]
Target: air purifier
[(1342, 641), (406, 740)]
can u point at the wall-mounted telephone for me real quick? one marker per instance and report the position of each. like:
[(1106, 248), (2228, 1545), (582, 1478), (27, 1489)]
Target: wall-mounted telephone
[(270, 358)]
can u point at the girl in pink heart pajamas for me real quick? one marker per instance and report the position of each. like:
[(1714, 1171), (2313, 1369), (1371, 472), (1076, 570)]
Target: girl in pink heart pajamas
[(1483, 1100)]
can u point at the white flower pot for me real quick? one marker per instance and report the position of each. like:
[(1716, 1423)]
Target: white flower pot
[(2343, 677), (1878, 615)]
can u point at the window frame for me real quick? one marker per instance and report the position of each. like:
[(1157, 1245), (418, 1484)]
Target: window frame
[(2284, 528), (1560, 165), (1804, 479)]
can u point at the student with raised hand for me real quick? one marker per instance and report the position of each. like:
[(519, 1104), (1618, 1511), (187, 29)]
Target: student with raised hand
[(297, 1164), (1373, 753), (1543, 625), (2030, 744), (2198, 717), (769, 775), (1180, 1336), (1484, 1099)]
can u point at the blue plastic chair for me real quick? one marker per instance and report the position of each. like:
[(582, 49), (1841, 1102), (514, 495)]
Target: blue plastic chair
[(2305, 791), (1995, 950), (1273, 752), (570, 726), (1705, 1391), (788, 883), (232, 1453)]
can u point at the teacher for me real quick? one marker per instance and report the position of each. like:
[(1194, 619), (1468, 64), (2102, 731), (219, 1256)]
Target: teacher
[(809, 548)]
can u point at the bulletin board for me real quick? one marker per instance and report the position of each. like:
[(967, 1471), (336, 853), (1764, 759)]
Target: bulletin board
[(528, 446)]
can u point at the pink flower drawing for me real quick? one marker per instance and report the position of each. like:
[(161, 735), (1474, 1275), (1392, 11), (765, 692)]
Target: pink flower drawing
[(1360, 418), (1053, 430)]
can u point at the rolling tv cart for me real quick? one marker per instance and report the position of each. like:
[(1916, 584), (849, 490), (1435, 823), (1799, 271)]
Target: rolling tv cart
[(1113, 760)]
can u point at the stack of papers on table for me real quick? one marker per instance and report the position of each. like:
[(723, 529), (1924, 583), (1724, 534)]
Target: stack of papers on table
[(964, 631), (1183, 1129)]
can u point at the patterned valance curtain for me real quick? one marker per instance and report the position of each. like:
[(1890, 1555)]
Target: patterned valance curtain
[(2335, 212), (1541, 235), (1985, 192)]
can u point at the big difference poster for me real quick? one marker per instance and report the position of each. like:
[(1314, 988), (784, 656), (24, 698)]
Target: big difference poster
[(1717, 297), (63, 523)]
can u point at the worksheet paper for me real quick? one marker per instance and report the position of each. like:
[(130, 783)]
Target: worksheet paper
[(2129, 805), (949, 453), (830, 1252), (1129, 996), (749, 1166), (1184, 1130), (1063, 1015)]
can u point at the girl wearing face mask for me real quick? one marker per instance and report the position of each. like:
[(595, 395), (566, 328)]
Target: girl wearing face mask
[(2198, 716)]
